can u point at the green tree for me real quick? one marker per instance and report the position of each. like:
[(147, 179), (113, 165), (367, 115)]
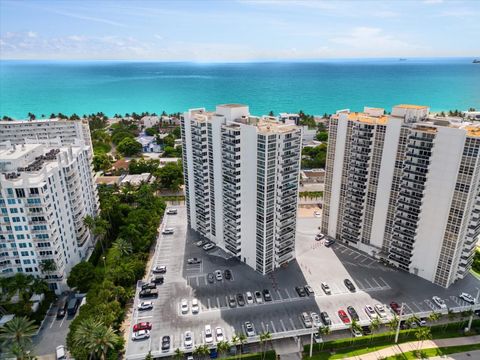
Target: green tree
[(322, 136), (152, 131), (223, 347), (123, 247), (264, 338), (143, 166), (422, 334), (102, 161), (324, 331), (201, 351), (129, 147), (170, 176), (48, 266), (82, 276), (355, 326), (96, 338), (177, 132), (149, 356), (374, 326), (169, 140), (16, 336), (178, 354)]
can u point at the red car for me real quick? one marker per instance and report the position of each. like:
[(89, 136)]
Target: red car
[(142, 326), (343, 316), (395, 307)]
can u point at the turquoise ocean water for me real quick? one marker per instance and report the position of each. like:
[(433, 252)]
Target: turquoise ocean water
[(43, 87)]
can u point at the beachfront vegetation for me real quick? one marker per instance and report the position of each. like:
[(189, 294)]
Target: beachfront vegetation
[(129, 147), (170, 176), (314, 157), (128, 226), (16, 338)]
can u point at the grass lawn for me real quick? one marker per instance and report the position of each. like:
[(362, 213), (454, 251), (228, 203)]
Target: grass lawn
[(342, 353), (426, 353)]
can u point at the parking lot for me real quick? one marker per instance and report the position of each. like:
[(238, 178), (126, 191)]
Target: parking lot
[(375, 283)]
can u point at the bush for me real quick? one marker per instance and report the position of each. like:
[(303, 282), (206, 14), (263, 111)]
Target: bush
[(129, 147)]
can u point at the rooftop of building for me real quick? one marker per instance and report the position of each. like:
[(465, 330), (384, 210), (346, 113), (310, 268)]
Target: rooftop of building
[(36, 121), (232, 106), (367, 118), (411, 106), (15, 152), (137, 179)]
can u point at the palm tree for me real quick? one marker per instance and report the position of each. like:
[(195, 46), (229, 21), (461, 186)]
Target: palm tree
[(48, 266), (235, 342), (422, 334), (178, 354), (451, 316), (393, 324), (95, 337), (16, 336), (242, 339), (412, 320), (325, 330), (264, 338), (374, 326), (354, 326), (123, 247), (149, 356), (223, 347), (202, 351), (433, 317)]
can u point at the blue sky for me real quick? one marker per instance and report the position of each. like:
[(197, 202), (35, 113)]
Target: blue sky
[(239, 30)]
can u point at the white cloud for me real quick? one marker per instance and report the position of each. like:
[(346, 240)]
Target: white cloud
[(432, 2), (158, 36), (32, 34)]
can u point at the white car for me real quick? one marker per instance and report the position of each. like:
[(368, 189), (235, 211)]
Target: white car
[(317, 338), (380, 309), (193, 261), (326, 289), (218, 275), (249, 297), (171, 211), (250, 330), (468, 298), (307, 321), (168, 231), (141, 334), (356, 333), (184, 306), (317, 214), (195, 306), (219, 334), (370, 312), (439, 302), (208, 246), (161, 269), (319, 237), (208, 335), (258, 297), (188, 340), (145, 305), (316, 319)]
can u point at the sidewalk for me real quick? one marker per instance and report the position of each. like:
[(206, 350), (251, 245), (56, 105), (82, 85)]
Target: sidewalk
[(416, 345)]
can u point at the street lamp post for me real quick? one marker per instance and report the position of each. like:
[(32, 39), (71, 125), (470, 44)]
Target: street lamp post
[(397, 333), (471, 315)]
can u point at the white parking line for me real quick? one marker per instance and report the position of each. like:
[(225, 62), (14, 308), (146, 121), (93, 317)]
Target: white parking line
[(386, 284), (369, 285), (208, 301), (376, 282), (197, 282), (218, 302), (291, 323), (288, 294), (263, 327), (283, 325), (418, 307), (279, 294), (273, 326), (364, 260), (356, 257)]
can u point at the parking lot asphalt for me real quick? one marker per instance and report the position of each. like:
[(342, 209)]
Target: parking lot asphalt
[(315, 264)]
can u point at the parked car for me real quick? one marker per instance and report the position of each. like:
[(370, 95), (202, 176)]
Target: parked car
[(240, 300), (232, 302), (370, 312), (326, 289), (395, 307), (467, 297), (148, 293), (366, 330), (422, 321), (145, 305), (162, 269), (208, 246), (250, 330), (380, 309), (210, 278), (188, 340), (249, 297), (200, 243), (219, 334), (172, 212), (307, 321), (208, 335), (343, 316), (195, 306), (317, 214), (140, 335), (60, 353), (439, 302), (142, 326), (193, 261), (266, 295), (149, 285), (166, 343), (356, 332), (316, 319), (228, 274), (300, 291), (317, 338), (184, 306), (348, 283), (72, 306), (218, 275), (157, 279), (309, 290), (329, 242), (62, 311), (168, 231), (325, 318), (353, 313), (258, 297)]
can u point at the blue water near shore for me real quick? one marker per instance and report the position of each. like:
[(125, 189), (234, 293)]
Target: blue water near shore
[(43, 87)]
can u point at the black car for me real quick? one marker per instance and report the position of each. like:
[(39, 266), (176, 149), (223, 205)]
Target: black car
[(366, 330), (148, 293), (300, 291), (150, 285), (232, 302), (266, 295), (157, 280), (61, 312), (349, 285), (325, 318), (211, 278), (165, 343), (228, 275), (240, 300), (353, 313), (329, 242)]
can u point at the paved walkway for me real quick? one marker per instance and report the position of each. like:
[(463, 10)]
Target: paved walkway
[(468, 355), (416, 345)]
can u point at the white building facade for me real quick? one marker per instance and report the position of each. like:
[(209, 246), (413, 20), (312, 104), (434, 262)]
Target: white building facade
[(46, 192), (406, 188), (241, 183)]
